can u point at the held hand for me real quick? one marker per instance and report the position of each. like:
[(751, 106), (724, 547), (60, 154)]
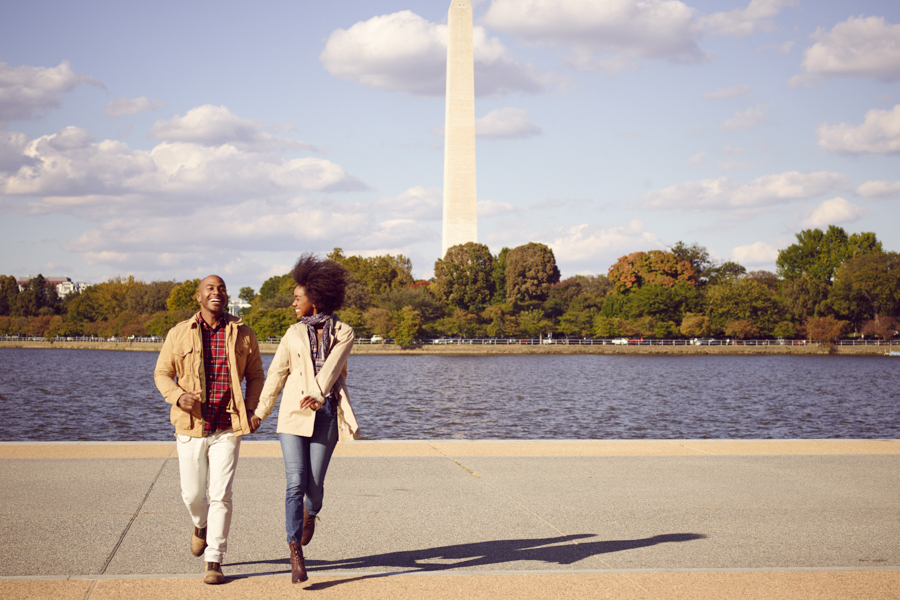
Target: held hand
[(310, 402), (254, 423), (188, 399)]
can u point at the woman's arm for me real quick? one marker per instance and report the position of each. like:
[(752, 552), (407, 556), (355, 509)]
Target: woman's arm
[(275, 378)]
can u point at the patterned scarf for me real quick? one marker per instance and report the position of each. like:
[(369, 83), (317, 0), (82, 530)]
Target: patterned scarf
[(319, 351)]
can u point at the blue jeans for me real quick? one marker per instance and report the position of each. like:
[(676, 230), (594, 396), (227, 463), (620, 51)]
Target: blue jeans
[(305, 463)]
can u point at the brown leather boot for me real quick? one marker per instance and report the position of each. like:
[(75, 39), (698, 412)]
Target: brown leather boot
[(214, 573), (298, 567), (309, 527), (198, 541)]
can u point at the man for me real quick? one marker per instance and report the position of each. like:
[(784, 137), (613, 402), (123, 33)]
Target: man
[(199, 372)]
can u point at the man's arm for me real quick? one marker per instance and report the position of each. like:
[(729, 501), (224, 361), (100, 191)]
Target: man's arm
[(164, 377)]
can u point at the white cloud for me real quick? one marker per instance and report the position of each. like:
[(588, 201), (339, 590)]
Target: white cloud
[(592, 245), (28, 93), (506, 123), (742, 22), (492, 208), (12, 146), (402, 51), (858, 47), (834, 211), (729, 92), (216, 125), (602, 36), (784, 48), (878, 134), (759, 253), (728, 194), (744, 120), (420, 203), (73, 174), (130, 106), (697, 159), (879, 190)]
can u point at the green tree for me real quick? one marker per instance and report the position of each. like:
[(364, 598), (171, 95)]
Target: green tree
[(697, 256), (148, 298), (530, 271), (666, 302), (606, 327), (464, 277), (160, 323), (184, 296), (409, 324), (246, 294), (743, 300), (818, 254), (577, 323), (501, 322), (785, 329), (277, 285), (499, 277), (419, 298), (9, 291), (533, 323), (867, 287), (377, 273), (270, 323), (380, 321)]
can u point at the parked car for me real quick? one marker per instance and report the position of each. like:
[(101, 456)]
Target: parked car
[(620, 341), (447, 340), (377, 339)]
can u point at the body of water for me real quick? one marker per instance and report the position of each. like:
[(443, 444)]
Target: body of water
[(96, 395)]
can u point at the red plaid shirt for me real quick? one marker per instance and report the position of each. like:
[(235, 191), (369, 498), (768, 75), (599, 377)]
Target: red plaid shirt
[(218, 387)]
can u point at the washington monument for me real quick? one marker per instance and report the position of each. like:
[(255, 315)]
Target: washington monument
[(460, 224)]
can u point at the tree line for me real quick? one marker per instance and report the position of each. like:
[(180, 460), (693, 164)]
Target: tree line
[(827, 284)]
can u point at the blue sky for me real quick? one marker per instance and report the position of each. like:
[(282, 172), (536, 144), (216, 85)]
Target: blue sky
[(171, 140)]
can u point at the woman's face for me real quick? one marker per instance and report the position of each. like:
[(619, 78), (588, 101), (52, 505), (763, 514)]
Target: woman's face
[(302, 305)]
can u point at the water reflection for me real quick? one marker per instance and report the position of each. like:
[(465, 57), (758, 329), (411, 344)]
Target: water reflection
[(69, 395)]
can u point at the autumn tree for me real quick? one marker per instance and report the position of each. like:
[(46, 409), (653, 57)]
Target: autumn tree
[(824, 330), (464, 277), (695, 325), (530, 271), (637, 269)]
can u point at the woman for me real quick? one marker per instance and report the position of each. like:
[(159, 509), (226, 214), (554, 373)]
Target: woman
[(311, 366)]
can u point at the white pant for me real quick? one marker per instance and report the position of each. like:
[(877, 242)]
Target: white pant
[(215, 457)]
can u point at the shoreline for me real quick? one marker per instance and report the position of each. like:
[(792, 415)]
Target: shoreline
[(509, 349)]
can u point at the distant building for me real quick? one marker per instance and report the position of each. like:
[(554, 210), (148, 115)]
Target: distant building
[(64, 285), (236, 306)]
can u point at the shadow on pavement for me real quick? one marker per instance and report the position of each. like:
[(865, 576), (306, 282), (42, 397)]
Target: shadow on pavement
[(562, 550)]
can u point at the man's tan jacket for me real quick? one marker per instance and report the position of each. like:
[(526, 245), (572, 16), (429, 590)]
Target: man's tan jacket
[(179, 369)]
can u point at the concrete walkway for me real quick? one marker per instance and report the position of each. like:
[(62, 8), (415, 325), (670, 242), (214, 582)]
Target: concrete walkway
[(411, 520)]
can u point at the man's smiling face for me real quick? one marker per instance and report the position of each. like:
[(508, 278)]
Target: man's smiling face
[(213, 297)]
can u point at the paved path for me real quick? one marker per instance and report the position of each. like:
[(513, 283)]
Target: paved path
[(412, 520)]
